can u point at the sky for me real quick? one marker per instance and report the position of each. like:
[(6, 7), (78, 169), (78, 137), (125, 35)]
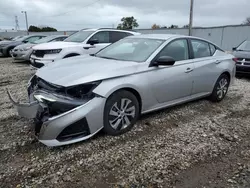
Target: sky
[(66, 15)]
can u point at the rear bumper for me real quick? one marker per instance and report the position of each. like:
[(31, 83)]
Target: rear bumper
[(74, 125), (242, 69)]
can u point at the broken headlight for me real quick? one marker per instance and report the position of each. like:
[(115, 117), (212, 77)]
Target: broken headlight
[(82, 91)]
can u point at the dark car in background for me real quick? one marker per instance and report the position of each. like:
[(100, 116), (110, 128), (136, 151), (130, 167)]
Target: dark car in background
[(7, 46), (242, 58)]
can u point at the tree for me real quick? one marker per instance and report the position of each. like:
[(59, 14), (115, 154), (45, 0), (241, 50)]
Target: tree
[(247, 21), (186, 26), (128, 23), (173, 26), (45, 29), (155, 26), (33, 28)]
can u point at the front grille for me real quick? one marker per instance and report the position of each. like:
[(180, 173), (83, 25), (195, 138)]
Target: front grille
[(39, 53), (75, 130)]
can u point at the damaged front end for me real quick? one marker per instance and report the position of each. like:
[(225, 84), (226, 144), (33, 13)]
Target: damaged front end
[(57, 106)]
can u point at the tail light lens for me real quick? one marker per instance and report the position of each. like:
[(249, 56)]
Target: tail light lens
[(235, 60)]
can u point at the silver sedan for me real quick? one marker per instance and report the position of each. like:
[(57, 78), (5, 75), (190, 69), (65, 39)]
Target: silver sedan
[(72, 99), (23, 51)]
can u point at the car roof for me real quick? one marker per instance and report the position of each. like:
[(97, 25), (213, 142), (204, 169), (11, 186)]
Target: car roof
[(59, 35), (158, 36), (109, 29), (170, 36)]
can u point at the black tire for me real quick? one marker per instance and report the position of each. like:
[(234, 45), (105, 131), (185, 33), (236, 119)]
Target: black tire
[(123, 126), (8, 52), (219, 94)]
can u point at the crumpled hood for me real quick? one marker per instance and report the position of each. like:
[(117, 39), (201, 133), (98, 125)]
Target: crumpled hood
[(242, 54), (84, 69), (58, 45)]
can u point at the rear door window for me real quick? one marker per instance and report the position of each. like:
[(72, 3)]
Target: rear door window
[(200, 48), (212, 49), (101, 36), (118, 35), (178, 50)]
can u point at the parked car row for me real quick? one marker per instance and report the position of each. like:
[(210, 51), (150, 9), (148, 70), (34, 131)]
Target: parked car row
[(24, 51), (115, 77), (8, 45)]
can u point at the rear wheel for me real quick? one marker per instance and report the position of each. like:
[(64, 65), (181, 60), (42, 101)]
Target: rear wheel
[(120, 113), (220, 88)]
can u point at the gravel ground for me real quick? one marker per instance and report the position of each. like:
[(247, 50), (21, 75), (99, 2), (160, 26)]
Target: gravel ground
[(199, 144)]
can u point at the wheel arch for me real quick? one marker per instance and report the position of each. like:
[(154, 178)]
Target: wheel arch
[(134, 92), (228, 74), (107, 91)]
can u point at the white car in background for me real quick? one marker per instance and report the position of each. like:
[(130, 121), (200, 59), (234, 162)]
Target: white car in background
[(86, 41)]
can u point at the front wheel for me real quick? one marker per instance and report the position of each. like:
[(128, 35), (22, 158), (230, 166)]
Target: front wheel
[(9, 52), (220, 88), (120, 113)]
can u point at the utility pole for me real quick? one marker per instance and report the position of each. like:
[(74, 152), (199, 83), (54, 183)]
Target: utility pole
[(191, 17), (26, 19), (17, 25)]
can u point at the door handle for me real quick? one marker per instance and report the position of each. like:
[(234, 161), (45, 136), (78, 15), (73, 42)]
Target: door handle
[(217, 62), (188, 70)]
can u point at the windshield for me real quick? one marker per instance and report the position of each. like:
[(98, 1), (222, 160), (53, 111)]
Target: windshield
[(131, 49), (15, 38), (245, 46), (79, 36), (44, 40), (22, 38)]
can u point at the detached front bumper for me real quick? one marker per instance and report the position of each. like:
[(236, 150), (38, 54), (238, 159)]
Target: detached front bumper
[(77, 124)]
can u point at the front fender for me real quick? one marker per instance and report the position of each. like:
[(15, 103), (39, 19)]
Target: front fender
[(107, 87)]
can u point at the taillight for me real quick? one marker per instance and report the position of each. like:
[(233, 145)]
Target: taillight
[(235, 60)]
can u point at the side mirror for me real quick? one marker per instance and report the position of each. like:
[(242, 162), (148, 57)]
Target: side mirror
[(234, 48), (164, 61), (93, 41)]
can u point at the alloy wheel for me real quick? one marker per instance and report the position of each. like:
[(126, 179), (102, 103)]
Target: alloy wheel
[(222, 88), (121, 114)]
